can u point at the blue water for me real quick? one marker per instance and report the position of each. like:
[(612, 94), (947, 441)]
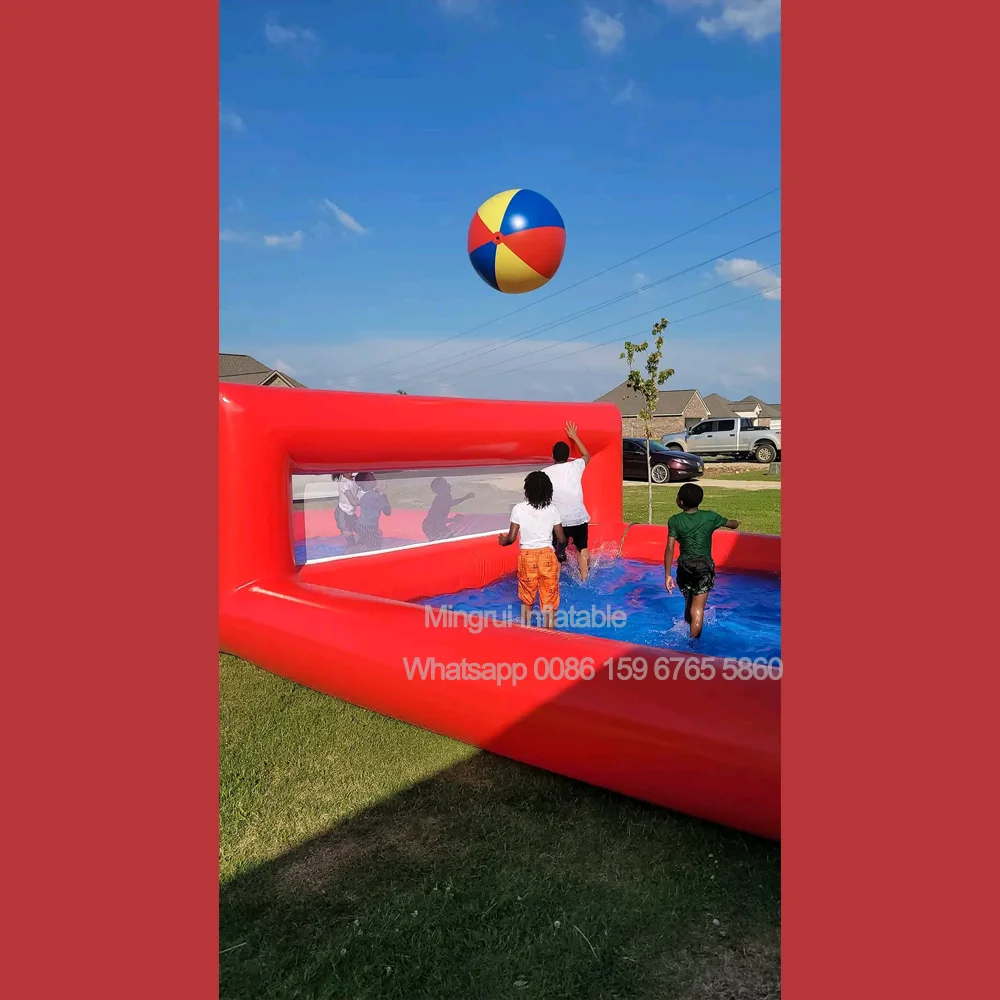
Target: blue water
[(742, 616)]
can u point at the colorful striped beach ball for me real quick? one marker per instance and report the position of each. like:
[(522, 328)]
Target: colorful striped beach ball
[(516, 241)]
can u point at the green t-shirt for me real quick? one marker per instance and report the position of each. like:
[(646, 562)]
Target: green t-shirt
[(694, 532)]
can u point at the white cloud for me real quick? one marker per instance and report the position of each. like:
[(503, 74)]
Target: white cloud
[(604, 32), (626, 94), (755, 19), (303, 44), (716, 361), (639, 278), (347, 221), (278, 34), (750, 275), (283, 366), (237, 205), (230, 120), (687, 4), (293, 241)]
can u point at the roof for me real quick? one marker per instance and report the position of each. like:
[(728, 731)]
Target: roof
[(766, 409), (672, 402), (717, 406), (245, 370)]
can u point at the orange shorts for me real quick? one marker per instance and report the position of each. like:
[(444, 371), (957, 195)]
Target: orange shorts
[(538, 573)]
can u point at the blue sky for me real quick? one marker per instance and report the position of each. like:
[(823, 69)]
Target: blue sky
[(357, 140)]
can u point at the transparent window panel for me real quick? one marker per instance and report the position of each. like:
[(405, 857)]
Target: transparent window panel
[(338, 518)]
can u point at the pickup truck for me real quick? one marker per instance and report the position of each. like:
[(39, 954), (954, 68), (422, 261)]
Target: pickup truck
[(728, 436)]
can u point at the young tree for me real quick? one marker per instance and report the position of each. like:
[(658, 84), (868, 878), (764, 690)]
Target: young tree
[(648, 388)]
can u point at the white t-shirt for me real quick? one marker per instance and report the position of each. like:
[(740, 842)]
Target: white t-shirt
[(349, 495), (536, 525), (567, 491)]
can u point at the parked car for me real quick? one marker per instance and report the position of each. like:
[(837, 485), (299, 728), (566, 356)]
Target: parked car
[(665, 466), (728, 436)]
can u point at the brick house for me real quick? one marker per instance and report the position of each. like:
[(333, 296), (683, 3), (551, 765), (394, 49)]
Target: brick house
[(246, 370), (676, 410)]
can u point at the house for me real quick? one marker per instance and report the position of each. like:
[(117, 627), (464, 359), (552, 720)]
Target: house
[(249, 371), (676, 410), (679, 409), (719, 407), (764, 414), (747, 408)]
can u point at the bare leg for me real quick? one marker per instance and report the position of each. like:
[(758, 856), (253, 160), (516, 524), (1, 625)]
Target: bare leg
[(687, 607), (583, 558), (698, 614), (548, 618), (526, 610)]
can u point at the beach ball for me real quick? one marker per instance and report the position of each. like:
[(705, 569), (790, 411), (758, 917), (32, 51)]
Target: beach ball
[(516, 241)]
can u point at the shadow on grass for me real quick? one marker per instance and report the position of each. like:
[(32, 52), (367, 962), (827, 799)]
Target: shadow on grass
[(486, 880), (493, 879)]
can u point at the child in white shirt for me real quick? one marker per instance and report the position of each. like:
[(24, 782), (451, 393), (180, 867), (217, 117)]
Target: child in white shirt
[(567, 494), (345, 512), (535, 523)]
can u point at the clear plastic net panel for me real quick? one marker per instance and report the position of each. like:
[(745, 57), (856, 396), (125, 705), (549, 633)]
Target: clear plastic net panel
[(362, 513)]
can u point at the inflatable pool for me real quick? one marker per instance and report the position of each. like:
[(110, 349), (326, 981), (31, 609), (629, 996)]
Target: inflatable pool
[(697, 732)]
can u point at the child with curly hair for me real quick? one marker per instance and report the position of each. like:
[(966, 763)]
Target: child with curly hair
[(535, 523)]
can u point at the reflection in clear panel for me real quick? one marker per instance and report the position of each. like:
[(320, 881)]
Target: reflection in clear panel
[(363, 512)]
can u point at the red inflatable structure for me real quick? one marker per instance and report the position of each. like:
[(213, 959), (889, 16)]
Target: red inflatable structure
[(709, 748)]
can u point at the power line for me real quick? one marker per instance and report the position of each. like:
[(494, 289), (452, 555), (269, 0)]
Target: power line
[(576, 284), (552, 324), (546, 327), (616, 340), (618, 322)]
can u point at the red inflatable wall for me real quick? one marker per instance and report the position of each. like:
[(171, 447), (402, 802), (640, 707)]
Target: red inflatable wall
[(706, 747)]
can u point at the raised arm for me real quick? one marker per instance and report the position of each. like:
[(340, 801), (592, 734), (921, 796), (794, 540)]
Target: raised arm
[(572, 435)]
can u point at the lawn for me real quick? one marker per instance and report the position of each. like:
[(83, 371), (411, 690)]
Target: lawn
[(758, 511), (758, 475), (364, 858)]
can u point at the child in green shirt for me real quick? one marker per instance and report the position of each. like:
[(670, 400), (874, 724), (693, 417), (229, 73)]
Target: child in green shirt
[(692, 531)]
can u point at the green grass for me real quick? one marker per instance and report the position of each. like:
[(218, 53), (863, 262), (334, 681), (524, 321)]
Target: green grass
[(364, 858), (758, 511), (748, 475)]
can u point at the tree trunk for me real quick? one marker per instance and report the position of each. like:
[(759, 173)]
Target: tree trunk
[(649, 479)]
